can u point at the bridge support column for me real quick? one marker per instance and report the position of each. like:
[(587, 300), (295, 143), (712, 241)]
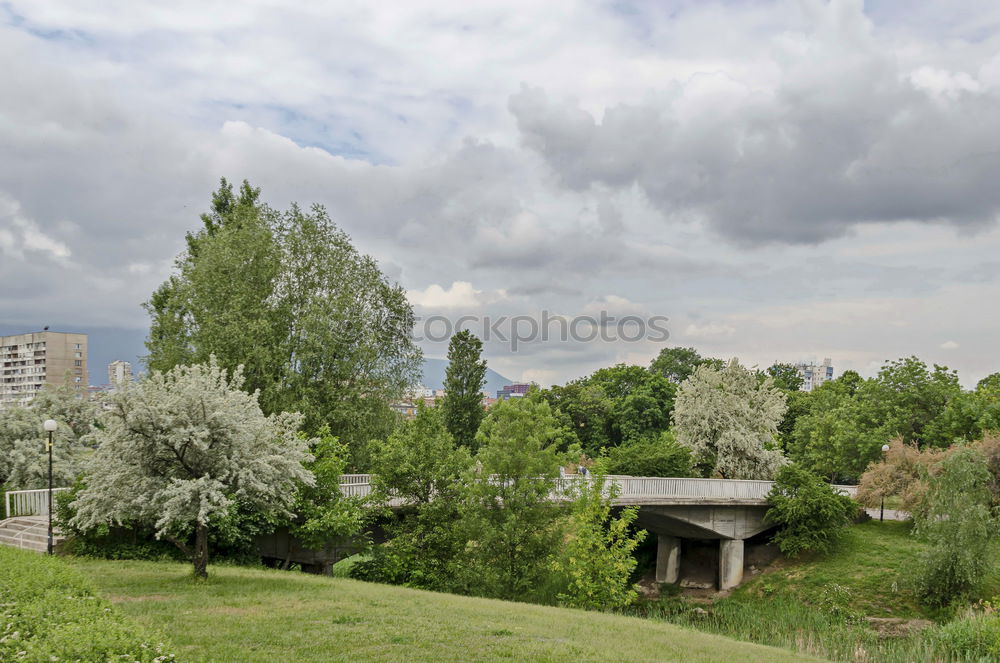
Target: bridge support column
[(668, 558), (730, 563)]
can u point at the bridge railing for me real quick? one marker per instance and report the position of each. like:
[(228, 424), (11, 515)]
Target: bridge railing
[(640, 489), (28, 502)]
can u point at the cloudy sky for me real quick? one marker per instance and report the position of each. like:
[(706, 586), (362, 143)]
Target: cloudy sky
[(782, 180)]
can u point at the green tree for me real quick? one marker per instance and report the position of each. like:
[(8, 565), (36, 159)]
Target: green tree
[(905, 398), (614, 406), (588, 410), (677, 364), (957, 522), (786, 376), (178, 449), (836, 437), (463, 383), (315, 324), (598, 557), (812, 516), (322, 513), (655, 456), (506, 513), (729, 419), (421, 466)]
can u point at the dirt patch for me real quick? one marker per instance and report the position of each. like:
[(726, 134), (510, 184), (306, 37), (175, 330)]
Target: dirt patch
[(894, 627)]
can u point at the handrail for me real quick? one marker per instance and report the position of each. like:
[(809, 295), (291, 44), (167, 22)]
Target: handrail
[(645, 488), (28, 502)]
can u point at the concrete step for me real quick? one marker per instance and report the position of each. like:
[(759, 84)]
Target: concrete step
[(26, 536)]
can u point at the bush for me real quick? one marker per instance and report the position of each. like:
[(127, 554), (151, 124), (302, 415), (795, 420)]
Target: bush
[(956, 520), (48, 612), (658, 456), (975, 636), (812, 515)]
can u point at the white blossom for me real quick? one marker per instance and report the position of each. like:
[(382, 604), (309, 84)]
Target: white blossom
[(729, 418)]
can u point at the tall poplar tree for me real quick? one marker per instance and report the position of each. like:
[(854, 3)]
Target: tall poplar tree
[(463, 383), (314, 323)]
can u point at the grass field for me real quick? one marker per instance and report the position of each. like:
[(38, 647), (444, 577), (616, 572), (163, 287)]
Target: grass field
[(251, 615)]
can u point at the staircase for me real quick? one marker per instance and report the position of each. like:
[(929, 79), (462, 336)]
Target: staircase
[(28, 532)]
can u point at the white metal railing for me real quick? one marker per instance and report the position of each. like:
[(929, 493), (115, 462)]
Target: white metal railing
[(28, 502), (641, 489), (349, 479)]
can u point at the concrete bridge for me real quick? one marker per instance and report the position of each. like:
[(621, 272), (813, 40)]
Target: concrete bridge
[(727, 510), (674, 509)]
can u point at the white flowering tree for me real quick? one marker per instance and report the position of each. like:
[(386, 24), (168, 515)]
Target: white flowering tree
[(178, 448), (23, 448), (729, 418)]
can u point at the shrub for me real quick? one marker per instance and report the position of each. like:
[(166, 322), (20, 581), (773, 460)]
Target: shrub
[(812, 515), (974, 636), (597, 560), (659, 456), (955, 518), (48, 612)]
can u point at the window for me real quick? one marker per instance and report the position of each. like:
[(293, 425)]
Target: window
[(78, 362), (76, 346), (78, 355)]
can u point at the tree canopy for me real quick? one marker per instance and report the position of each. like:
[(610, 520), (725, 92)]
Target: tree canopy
[(179, 449), (463, 383), (315, 324), (729, 419)]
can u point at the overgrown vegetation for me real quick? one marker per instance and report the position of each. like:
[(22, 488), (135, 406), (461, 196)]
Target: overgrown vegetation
[(957, 522), (49, 612), (810, 514), (857, 603)]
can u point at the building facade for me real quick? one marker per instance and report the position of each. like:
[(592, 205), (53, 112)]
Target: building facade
[(119, 372), (29, 362), (516, 390), (814, 375)]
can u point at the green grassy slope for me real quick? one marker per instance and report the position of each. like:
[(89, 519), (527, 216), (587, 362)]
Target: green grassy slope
[(868, 571), (250, 615)]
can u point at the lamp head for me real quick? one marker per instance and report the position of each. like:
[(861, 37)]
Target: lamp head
[(50, 425)]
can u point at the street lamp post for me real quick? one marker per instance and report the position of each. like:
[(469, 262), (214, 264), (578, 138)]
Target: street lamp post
[(881, 512), (50, 426)]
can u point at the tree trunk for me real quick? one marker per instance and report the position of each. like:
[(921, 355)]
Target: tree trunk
[(200, 557)]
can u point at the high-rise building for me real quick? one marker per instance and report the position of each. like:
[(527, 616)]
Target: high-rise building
[(29, 362), (119, 372), (813, 376)]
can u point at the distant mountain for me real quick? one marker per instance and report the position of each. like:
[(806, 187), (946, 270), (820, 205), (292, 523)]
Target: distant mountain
[(434, 376)]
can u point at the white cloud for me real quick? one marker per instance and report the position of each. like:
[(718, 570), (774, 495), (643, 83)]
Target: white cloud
[(460, 294), (949, 345), (645, 133)]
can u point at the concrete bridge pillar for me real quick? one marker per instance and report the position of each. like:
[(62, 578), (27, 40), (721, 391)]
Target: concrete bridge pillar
[(668, 558), (730, 563)]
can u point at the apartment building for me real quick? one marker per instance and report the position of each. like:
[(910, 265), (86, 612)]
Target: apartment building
[(814, 375), (29, 362), (119, 372)]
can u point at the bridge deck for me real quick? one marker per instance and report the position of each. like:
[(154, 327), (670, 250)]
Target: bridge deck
[(650, 491)]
